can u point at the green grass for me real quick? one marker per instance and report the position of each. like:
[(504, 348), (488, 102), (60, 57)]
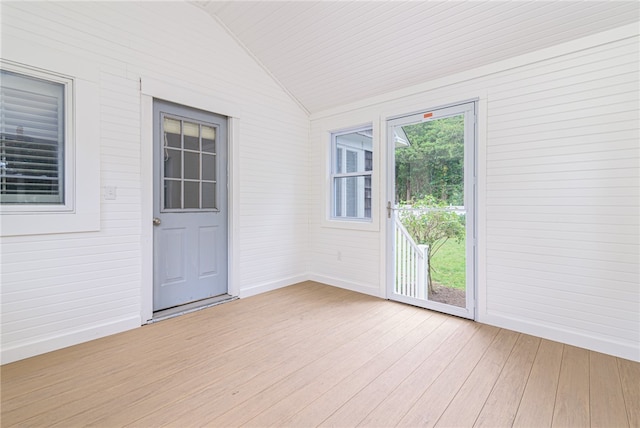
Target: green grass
[(449, 264)]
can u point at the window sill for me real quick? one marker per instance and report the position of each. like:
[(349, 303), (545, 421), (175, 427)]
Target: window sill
[(362, 225)]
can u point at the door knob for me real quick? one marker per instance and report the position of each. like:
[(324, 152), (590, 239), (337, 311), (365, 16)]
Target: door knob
[(156, 221)]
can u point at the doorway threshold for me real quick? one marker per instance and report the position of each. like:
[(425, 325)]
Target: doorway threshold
[(191, 307)]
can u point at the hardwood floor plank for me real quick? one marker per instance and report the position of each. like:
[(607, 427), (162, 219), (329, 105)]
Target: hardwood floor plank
[(309, 355), (63, 359), (220, 398), (630, 379), (469, 400), (426, 411), (606, 398), (156, 365), (538, 398), (331, 368), (501, 406), (276, 414), (572, 398), (386, 400), (44, 368), (394, 364), (278, 348)]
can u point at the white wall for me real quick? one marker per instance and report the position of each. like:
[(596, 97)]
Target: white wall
[(61, 289), (558, 207), (558, 191)]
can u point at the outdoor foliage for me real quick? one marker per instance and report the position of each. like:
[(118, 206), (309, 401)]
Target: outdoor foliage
[(430, 222), (450, 265), (433, 164)]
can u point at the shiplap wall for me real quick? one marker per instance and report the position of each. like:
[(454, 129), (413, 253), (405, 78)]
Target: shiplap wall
[(559, 193), (62, 289)]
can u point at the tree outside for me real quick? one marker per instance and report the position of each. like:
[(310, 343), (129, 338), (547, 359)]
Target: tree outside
[(433, 164), (431, 223)]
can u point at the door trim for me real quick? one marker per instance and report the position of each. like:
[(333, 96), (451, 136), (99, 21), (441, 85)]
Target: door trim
[(151, 89), (388, 238)]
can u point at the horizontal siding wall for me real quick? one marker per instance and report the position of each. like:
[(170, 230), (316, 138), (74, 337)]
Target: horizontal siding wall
[(559, 193), (563, 198), (58, 290)]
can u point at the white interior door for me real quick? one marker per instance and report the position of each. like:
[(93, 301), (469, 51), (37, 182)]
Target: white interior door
[(190, 205), (431, 209)]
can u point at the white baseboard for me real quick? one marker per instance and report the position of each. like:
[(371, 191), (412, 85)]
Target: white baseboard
[(30, 349), (272, 285), (372, 290), (596, 343)]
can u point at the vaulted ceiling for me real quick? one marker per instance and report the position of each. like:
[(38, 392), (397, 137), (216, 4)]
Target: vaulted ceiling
[(328, 53)]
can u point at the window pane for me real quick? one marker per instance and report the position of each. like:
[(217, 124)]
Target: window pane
[(172, 194), (191, 194), (208, 139), (352, 197), (32, 140), (367, 197), (354, 145), (172, 163), (172, 131), (191, 136), (352, 161), (337, 188), (208, 167), (209, 195), (191, 165), (351, 186)]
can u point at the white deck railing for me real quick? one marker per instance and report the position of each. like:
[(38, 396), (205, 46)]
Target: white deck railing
[(412, 269)]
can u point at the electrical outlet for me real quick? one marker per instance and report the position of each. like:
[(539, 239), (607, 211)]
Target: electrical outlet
[(109, 193)]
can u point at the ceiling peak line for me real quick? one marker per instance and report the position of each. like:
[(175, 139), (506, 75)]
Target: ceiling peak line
[(260, 63)]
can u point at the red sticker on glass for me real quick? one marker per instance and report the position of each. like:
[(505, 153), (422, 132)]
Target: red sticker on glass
[(427, 115)]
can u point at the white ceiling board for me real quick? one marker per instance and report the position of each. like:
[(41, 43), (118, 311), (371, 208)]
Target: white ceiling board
[(328, 53)]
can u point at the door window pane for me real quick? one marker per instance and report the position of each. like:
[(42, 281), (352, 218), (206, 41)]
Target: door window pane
[(172, 131), (208, 139), (208, 195), (172, 194), (189, 160), (191, 136), (191, 194), (208, 167), (172, 163), (191, 165)]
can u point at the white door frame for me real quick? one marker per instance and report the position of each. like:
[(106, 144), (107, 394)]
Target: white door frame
[(470, 163), (150, 89)]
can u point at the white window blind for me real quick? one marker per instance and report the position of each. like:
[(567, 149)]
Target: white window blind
[(32, 140)]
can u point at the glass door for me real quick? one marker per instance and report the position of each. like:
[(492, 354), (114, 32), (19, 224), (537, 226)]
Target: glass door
[(431, 209)]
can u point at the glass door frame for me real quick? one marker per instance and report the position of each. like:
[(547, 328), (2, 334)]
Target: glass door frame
[(469, 110)]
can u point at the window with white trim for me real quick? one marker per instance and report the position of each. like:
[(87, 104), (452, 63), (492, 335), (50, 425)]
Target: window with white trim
[(351, 171), (34, 163)]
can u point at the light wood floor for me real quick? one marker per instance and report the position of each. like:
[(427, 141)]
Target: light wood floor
[(311, 355)]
